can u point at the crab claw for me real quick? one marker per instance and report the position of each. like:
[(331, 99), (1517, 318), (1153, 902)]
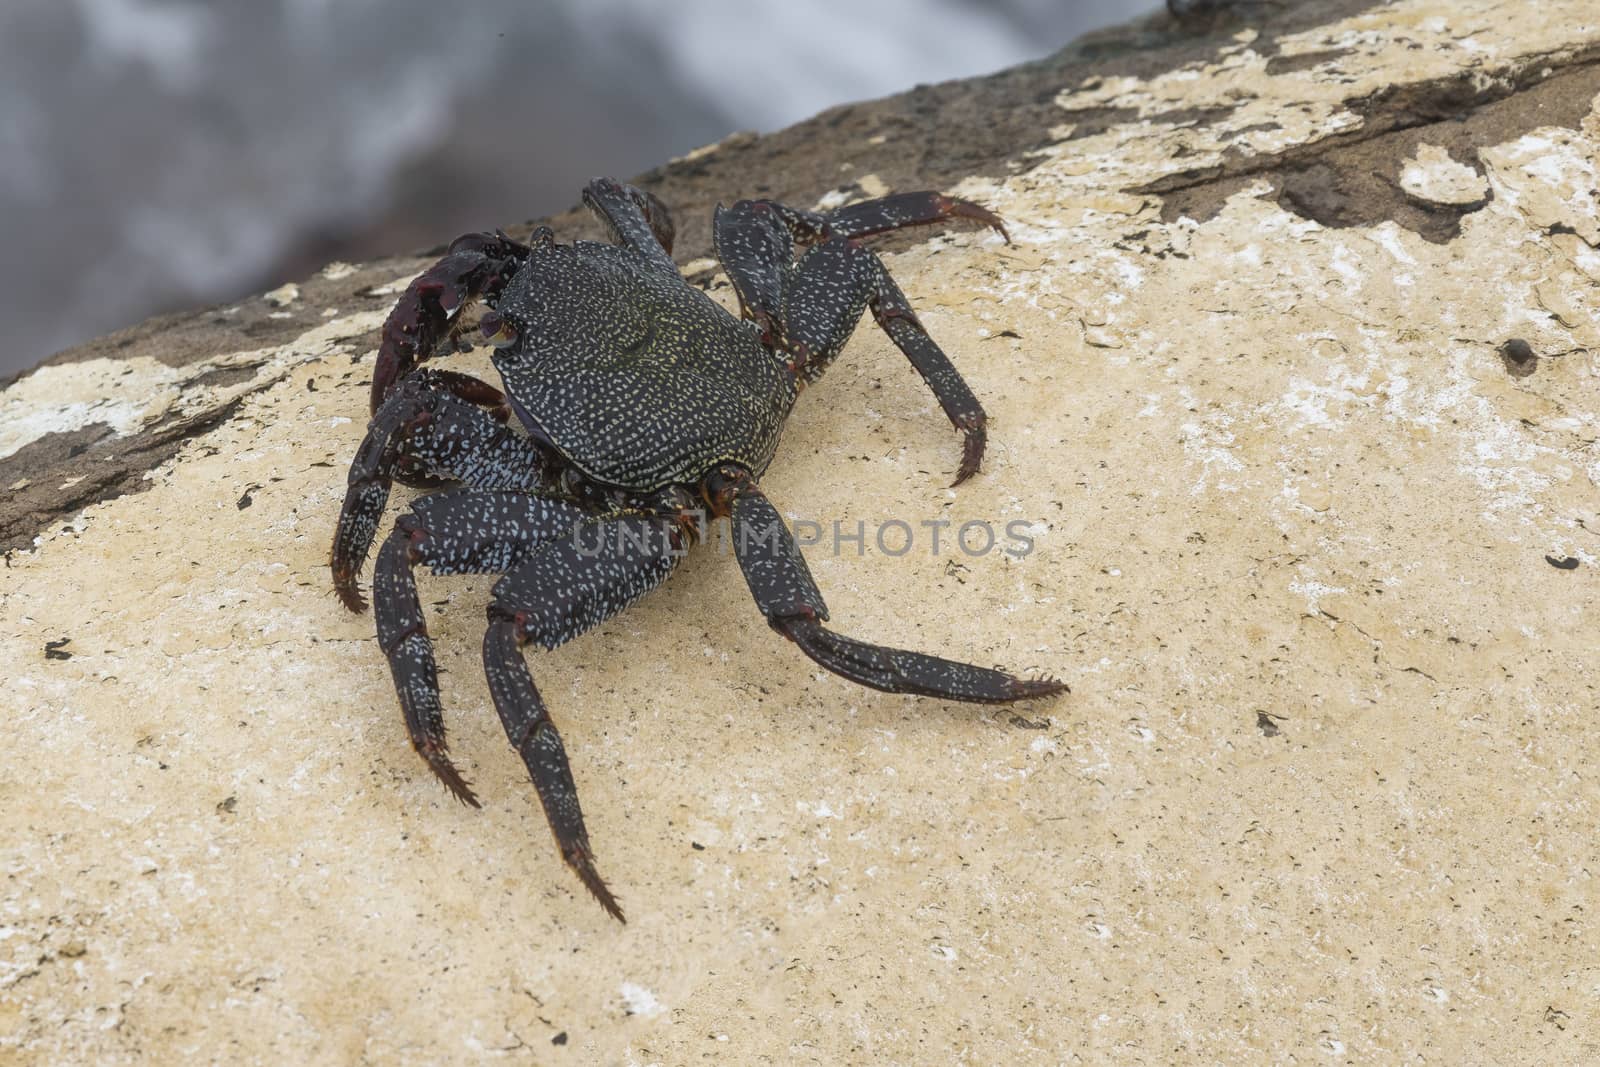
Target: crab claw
[(477, 265), (496, 329)]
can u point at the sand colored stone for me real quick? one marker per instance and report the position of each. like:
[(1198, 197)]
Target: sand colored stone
[(1323, 791)]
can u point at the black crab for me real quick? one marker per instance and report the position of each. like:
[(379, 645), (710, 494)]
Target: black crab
[(645, 406)]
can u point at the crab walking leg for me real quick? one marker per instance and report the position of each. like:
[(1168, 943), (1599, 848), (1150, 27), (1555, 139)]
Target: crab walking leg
[(811, 307), (474, 391), (756, 247), (423, 423), (476, 265), (565, 588), (537, 741), (882, 215), (907, 209), (831, 285), (403, 635), (458, 532), (634, 219), (788, 596)]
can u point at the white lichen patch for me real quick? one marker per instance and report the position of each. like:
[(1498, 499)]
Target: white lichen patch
[(1314, 592), (864, 187), (283, 295), (1550, 176), (1437, 177), (637, 1000), (130, 394), (121, 393)]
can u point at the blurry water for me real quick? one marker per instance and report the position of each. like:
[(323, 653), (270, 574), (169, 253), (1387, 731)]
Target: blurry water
[(157, 154)]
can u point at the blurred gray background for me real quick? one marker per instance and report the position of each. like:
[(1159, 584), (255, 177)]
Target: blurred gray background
[(158, 154)]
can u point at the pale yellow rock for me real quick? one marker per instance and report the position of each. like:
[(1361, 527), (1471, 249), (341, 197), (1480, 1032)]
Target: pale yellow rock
[(1324, 789), (1550, 176)]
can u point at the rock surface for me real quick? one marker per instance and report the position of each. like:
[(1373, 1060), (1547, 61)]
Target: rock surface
[(1306, 439)]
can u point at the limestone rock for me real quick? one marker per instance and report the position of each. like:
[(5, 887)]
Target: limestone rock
[(1320, 569), (1437, 178)]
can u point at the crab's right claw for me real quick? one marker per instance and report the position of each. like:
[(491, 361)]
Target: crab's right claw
[(477, 265)]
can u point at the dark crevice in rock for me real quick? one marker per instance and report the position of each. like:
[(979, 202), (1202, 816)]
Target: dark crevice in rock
[(52, 449), (1091, 121), (226, 376), (1255, 127), (1353, 179), (1343, 196), (1282, 64)]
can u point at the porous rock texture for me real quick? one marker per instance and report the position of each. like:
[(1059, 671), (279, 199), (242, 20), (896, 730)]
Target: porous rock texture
[(1291, 371)]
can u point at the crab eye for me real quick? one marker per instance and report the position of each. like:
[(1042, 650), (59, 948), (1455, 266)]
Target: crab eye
[(497, 330)]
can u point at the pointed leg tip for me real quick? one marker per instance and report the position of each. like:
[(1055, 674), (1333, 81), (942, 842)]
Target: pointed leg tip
[(461, 789), (347, 587), (609, 903), (971, 453), (581, 860), (971, 463), (1034, 688), (977, 212), (350, 596), (446, 771)]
